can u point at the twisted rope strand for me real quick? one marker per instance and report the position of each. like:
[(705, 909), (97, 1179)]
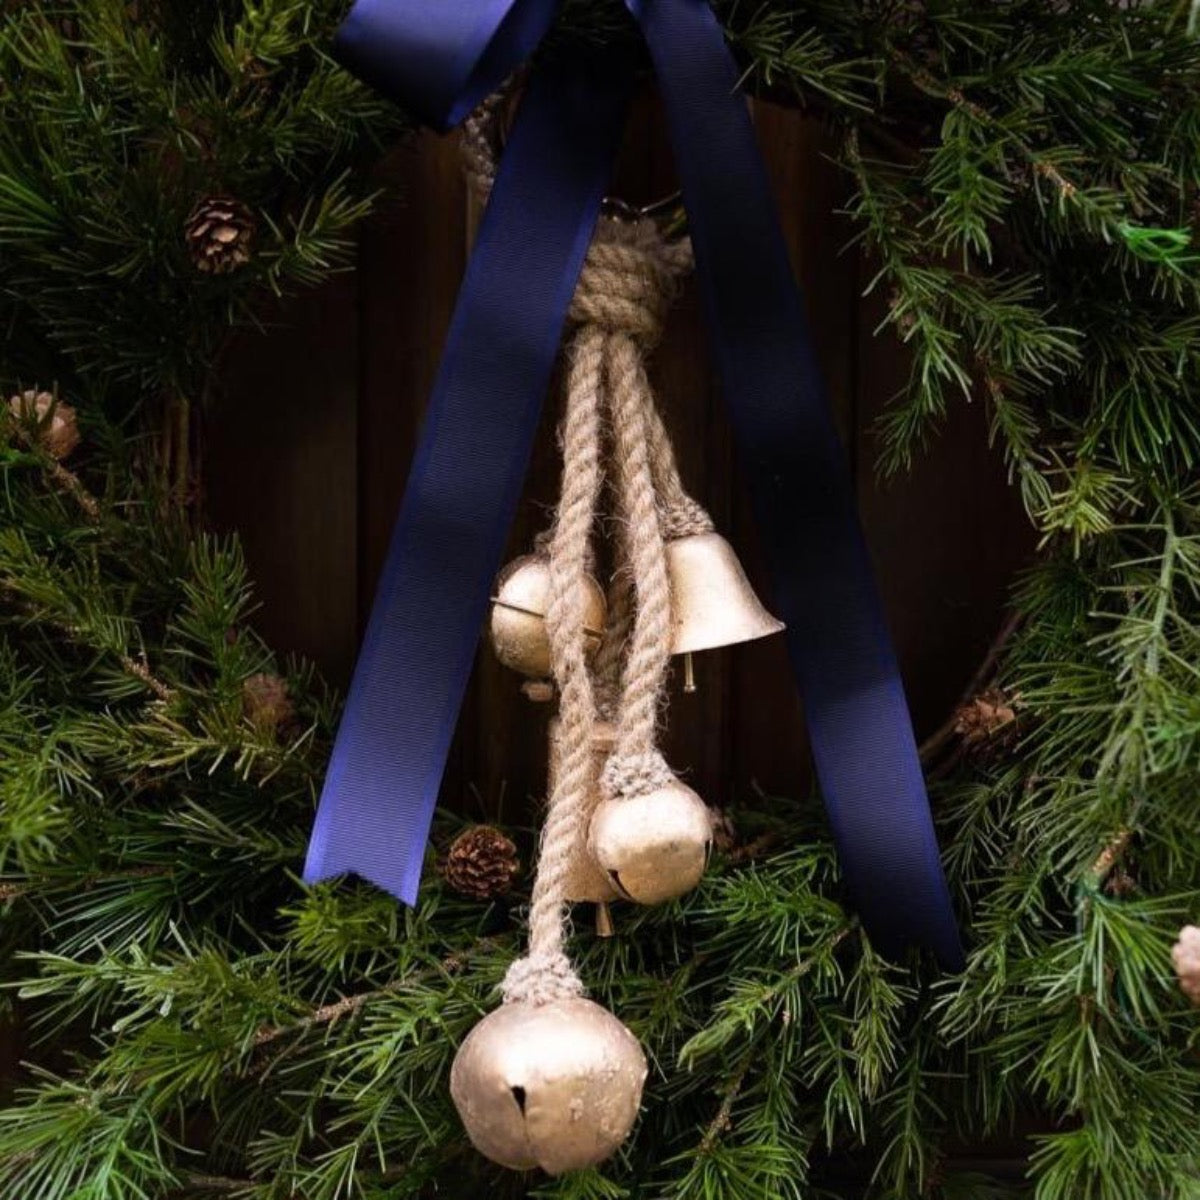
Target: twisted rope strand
[(681, 516), (628, 276), (546, 973), (635, 765)]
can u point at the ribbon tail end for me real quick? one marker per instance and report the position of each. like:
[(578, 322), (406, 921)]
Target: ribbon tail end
[(403, 886)]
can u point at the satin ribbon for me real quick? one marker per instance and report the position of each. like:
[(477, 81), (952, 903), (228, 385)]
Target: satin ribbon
[(439, 59)]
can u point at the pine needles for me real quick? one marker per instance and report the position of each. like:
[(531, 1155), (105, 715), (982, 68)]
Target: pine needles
[(1023, 177)]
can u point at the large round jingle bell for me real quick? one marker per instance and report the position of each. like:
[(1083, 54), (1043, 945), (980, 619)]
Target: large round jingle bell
[(518, 624), (655, 846), (556, 1086)]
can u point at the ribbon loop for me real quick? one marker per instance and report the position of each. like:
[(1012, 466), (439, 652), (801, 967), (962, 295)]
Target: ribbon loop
[(439, 59)]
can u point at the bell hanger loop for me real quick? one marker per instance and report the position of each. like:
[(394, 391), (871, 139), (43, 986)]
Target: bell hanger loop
[(495, 117), (667, 211)]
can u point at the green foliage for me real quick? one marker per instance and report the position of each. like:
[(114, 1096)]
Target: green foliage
[(115, 119), (1024, 177)]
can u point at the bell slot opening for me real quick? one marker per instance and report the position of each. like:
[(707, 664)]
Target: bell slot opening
[(615, 876), (518, 1094)]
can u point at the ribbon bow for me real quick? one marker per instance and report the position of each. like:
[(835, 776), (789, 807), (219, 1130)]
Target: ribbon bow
[(440, 58)]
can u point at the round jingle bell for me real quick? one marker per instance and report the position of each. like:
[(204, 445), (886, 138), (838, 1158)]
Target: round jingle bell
[(655, 846), (556, 1085), (518, 624)]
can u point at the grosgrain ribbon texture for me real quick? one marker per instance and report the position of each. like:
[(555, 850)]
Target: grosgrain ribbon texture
[(439, 60)]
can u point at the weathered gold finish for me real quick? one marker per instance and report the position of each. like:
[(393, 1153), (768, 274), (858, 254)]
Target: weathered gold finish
[(585, 880), (653, 847), (712, 602), (555, 1086), (518, 624)]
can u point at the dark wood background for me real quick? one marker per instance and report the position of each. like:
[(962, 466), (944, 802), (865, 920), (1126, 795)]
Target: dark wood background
[(307, 452)]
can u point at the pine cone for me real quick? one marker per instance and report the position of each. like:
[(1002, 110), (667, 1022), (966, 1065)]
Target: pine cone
[(59, 434), (218, 233), (989, 719), (1186, 956), (266, 702), (482, 863)]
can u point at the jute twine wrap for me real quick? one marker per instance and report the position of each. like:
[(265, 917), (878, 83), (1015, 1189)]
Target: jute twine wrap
[(630, 273)]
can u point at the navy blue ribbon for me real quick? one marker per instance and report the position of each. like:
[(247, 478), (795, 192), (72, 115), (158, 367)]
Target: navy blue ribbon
[(439, 59)]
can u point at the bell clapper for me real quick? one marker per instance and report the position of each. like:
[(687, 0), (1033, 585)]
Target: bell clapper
[(604, 921), (689, 673)]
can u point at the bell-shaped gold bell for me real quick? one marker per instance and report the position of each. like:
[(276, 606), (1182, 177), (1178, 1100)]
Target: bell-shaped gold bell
[(518, 624), (712, 602)]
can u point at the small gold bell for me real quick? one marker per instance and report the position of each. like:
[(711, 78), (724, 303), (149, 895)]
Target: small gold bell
[(585, 880), (556, 1086), (518, 625), (712, 602), (653, 847)]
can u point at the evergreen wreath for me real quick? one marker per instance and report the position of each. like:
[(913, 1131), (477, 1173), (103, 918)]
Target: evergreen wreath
[(1026, 175)]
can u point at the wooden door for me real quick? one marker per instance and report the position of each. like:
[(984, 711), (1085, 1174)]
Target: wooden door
[(309, 447)]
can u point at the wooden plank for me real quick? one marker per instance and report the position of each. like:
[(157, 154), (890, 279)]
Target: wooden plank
[(280, 469), (947, 537)]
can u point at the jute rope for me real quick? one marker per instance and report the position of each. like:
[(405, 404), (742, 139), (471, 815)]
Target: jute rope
[(629, 275), (681, 516), (545, 973), (626, 281)]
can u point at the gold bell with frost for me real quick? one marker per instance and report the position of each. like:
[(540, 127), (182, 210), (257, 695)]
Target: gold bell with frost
[(712, 602), (655, 846), (518, 621), (556, 1085)]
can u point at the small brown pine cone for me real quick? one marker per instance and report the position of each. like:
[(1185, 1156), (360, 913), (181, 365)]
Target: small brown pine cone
[(988, 721), (57, 430), (1186, 956), (481, 863), (266, 703), (219, 232)]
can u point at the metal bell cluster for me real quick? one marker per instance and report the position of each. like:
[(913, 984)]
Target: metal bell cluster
[(712, 605), (550, 1079), (651, 848)]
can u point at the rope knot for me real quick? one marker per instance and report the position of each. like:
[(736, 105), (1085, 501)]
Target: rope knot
[(628, 278), (629, 775), (541, 979), (683, 517)]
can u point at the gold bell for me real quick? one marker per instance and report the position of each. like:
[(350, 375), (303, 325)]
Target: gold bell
[(712, 602), (518, 624), (556, 1086), (655, 846)]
